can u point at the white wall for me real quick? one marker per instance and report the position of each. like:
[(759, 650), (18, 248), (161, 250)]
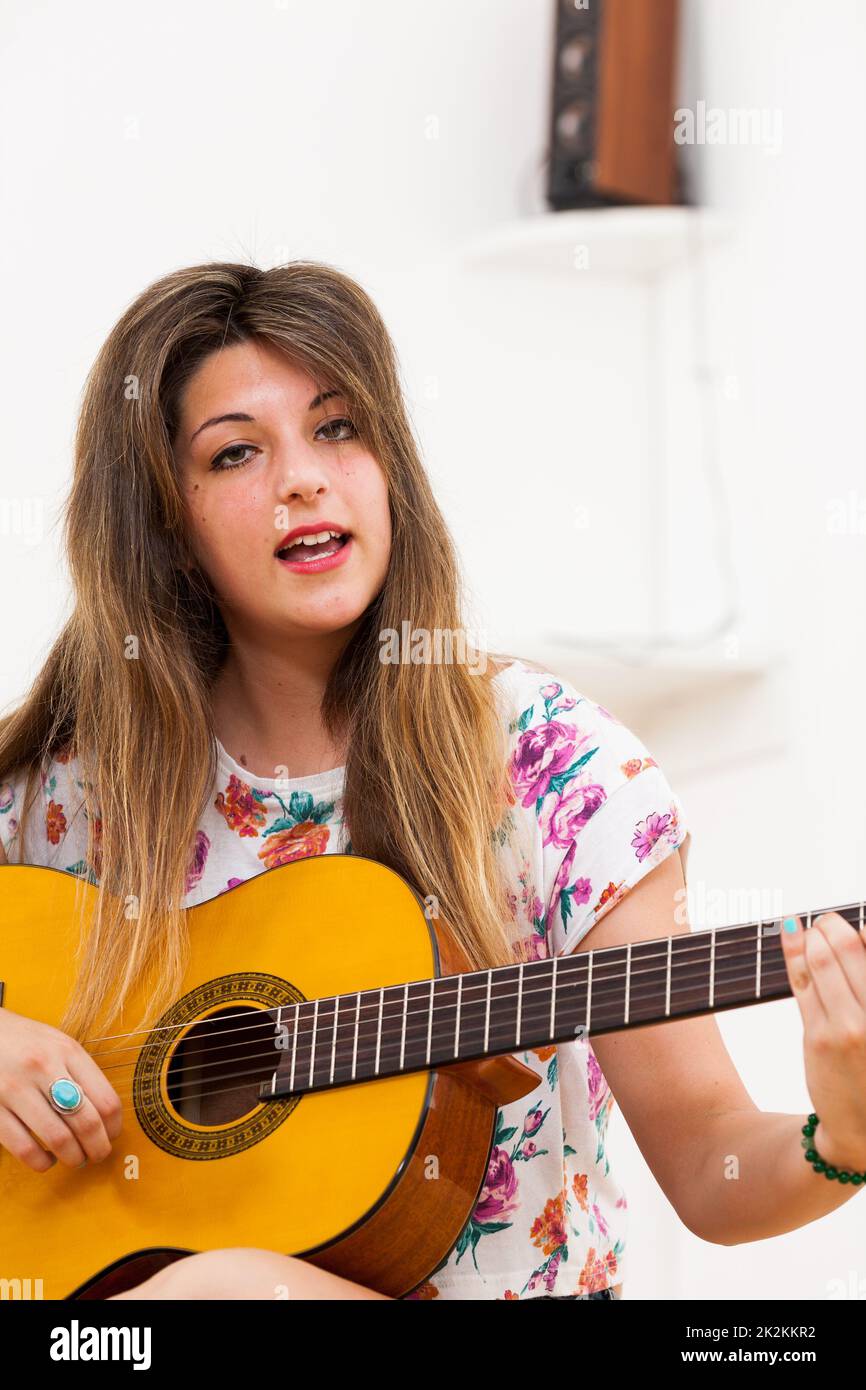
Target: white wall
[(137, 142)]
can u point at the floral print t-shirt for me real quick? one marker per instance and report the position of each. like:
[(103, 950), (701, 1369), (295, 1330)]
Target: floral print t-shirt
[(592, 813)]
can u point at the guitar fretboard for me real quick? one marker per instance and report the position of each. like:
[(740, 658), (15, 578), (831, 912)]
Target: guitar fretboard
[(425, 1024)]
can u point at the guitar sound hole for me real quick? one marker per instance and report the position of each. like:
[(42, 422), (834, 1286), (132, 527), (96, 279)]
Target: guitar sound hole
[(216, 1070)]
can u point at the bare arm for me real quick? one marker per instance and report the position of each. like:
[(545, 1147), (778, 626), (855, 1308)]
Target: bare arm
[(732, 1172)]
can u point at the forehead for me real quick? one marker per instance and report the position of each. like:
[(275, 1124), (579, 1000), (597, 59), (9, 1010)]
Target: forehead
[(243, 375)]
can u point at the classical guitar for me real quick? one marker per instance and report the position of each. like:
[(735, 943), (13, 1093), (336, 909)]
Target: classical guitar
[(327, 1082)]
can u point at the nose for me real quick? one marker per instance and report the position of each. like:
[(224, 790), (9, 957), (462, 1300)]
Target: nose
[(303, 474)]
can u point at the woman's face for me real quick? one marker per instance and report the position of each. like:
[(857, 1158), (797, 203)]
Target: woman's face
[(292, 461)]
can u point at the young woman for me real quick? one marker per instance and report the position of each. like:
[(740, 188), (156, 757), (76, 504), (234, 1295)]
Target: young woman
[(218, 704)]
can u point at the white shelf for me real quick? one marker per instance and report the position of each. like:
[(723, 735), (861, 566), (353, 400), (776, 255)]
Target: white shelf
[(632, 242)]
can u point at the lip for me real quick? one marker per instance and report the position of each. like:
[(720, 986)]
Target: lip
[(310, 529), (327, 562)]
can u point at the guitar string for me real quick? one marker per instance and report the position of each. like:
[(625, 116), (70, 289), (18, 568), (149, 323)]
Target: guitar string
[(681, 952), (608, 986), (254, 1075), (577, 966), (602, 992), (388, 1053), (366, 1052)]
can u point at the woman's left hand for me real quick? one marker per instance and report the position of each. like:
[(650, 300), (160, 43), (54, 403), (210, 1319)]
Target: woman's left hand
[(827, 972)]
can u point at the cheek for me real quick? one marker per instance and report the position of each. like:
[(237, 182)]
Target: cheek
[(231, 530)]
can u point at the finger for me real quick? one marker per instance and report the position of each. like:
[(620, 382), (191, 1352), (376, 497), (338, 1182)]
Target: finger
[(73, 1138), (97, 1089), (839, 1003), (33, 1109), (21, 1144), (849, 948), (799, 975)]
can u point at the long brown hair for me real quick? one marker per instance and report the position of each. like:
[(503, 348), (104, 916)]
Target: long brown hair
[(126, 685)]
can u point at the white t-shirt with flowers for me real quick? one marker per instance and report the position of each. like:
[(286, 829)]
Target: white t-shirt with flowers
[(593, 813)]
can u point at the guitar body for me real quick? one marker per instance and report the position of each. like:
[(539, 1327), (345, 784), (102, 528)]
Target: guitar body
[(372, 1180)]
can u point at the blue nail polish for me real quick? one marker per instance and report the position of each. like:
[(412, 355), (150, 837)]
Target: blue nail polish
[(789, 924)]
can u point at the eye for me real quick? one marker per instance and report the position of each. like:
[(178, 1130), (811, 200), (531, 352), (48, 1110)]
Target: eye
[(220, 467), (342, 420)]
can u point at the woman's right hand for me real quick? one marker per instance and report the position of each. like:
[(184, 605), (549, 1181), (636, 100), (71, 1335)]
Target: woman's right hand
[(32, 1055)]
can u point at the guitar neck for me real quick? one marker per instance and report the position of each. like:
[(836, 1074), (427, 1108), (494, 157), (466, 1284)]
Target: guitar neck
[(427, 1024)]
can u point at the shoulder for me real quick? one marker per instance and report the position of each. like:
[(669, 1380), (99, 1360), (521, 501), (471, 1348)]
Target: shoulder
[(586, 786), (558, 731)]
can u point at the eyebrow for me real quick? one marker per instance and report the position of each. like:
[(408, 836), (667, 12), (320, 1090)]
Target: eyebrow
[(242, 416)]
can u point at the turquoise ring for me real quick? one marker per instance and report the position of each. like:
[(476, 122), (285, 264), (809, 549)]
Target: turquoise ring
[(65, 1096)]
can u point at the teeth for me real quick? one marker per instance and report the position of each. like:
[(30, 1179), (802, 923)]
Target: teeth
[(315, 538)]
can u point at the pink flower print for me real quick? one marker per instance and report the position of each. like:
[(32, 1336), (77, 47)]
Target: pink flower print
[(596, 1085), (199, 859), (607, 714), (564, 822), (551, 1272), (499, 1193), (533, 1121), (530, 1149), (582, 891), (541, 754), (550, 692), (536, 947), (648, 832), (599, 1220), (231, 883)]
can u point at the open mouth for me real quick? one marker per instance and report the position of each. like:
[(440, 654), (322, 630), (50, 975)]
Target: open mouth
[(314, 547)]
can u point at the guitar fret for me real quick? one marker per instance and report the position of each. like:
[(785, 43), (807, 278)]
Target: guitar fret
[(457, 1020), (379, 1029), (712, 964), (519, 1003), (357, 1025), (313, 1048), (862, 905), (294, 1047), (627, 979), (405, 1015), (487, 1013), (758, 964), (334, 1039), (589, 993), (552, 1028), (277, 1026), (430, 1023), (668, 986)]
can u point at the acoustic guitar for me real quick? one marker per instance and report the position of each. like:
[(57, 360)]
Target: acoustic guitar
[(327, 1083)]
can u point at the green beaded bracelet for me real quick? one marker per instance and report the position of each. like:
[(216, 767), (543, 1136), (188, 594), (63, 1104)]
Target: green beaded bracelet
[(818, 1163)]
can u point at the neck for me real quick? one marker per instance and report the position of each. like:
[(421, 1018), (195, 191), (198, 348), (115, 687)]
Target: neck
[(429, 1023), (266, 709)]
